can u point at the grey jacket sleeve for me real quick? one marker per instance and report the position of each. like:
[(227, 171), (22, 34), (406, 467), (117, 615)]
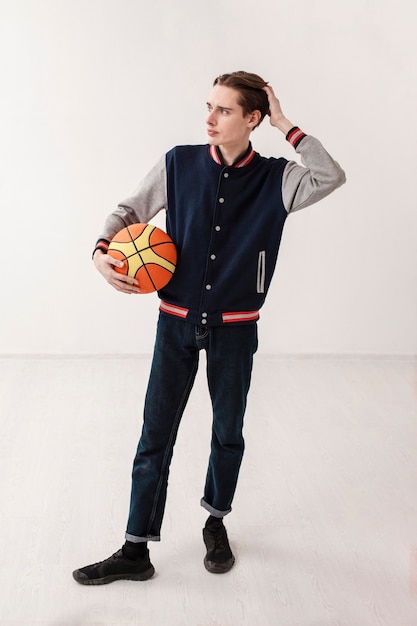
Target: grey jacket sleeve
[(319, 175), (149, 198)]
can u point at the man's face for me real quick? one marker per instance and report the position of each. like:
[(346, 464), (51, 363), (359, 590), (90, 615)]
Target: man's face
[(226, 123)]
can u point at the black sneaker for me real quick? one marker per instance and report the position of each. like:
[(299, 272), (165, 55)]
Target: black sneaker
[(219, 558), (116, 567)]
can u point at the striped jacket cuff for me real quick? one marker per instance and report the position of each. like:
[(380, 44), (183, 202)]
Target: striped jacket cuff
[(103, 245), (295, 136)]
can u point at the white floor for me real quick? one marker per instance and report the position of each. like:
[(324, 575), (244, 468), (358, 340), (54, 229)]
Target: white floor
[(324, 525)]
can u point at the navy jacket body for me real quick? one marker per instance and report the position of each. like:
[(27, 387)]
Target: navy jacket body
[(227, 224)]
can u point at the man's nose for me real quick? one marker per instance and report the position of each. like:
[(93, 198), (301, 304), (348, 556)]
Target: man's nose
[(211, 118)]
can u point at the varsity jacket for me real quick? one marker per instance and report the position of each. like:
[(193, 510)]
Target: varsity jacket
[(226, 222)]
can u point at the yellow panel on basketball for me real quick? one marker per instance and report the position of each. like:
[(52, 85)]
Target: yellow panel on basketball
[(149, 256), (148, 253), (127, 249)]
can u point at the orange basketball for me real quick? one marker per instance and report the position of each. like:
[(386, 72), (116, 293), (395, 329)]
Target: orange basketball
[(148, 254)]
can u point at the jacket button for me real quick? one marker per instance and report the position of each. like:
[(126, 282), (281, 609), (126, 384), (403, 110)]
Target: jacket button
[(212, 257), (204, 321), (217, 228), (221, 200), (226, 175), (204, 314), (208, 287)]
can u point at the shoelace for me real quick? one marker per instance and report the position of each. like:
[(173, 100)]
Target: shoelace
[(113, 557)]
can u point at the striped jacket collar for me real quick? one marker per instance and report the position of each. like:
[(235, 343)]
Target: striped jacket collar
[(243, 160)]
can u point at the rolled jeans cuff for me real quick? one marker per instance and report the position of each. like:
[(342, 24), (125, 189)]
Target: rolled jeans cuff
[(214, 512), (134, 539)]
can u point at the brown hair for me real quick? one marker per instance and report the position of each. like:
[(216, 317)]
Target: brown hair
[(250, 87)]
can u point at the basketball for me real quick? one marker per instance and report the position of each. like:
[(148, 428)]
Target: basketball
[(148, 254)]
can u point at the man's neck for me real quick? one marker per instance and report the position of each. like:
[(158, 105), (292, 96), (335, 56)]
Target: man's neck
[(231, 154)]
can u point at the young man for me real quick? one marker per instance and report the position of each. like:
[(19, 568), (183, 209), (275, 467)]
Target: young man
[(225, 210)]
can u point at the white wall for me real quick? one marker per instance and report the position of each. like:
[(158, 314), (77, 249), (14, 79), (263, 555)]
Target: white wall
[(94, 91)]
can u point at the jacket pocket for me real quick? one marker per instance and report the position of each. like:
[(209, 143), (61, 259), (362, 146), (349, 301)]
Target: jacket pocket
[(260, 278)]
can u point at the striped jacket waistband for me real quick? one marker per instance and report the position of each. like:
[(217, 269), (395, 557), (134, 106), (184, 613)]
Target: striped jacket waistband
[(227, 317)]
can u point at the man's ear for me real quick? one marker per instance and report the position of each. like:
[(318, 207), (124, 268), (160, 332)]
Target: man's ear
[(254, 118)]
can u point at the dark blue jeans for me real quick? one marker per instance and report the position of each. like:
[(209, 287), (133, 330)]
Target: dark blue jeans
[(230, 351)]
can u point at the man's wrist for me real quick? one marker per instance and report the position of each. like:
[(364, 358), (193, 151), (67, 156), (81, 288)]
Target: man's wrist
[(283, 125)]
